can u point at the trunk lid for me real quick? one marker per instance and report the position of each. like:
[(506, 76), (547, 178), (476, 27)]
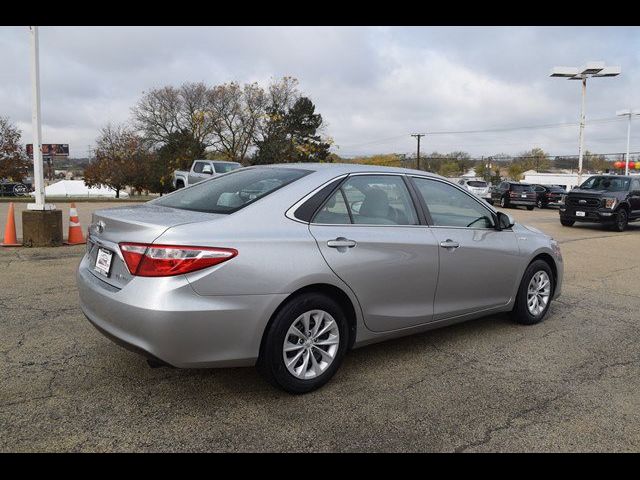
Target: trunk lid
[(139, 223)]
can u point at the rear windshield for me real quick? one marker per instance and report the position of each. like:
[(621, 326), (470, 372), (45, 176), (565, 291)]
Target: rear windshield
[(476, 183), (521, 188), (225, 167), (233, 191)]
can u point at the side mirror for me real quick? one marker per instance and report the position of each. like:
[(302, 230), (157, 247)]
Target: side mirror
[(207, 169), (505, 221)]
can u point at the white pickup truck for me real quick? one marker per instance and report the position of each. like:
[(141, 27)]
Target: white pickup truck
[(201, 170)]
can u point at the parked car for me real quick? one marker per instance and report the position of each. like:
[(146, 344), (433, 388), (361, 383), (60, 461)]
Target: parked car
[(513, 194), (477, 187), (548, 195), (201, 170), (289, 266), (612, 200)]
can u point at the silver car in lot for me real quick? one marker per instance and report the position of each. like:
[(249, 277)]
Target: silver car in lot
[(289, 266)]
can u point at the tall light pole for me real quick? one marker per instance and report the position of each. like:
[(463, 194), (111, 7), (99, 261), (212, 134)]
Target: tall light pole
[(591, 69), (627, 113), (38, 170)]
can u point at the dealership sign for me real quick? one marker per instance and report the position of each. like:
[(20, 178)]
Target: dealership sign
[(50, 150)]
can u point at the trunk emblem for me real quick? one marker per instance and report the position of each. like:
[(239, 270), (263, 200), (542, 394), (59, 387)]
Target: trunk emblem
[(100, 226)]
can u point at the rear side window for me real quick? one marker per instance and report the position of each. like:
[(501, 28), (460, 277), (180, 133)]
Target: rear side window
[(370, 200), (477, 184), (225, 167), (233, 191)]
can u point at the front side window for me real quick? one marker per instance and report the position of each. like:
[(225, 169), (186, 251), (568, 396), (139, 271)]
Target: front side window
[(370, 200), (229, 193), (197, 168), (450, 207)]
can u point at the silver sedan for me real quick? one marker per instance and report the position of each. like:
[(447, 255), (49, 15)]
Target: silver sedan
[(289, 266)]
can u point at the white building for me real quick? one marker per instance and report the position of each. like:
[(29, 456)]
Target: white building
[(567, 180)]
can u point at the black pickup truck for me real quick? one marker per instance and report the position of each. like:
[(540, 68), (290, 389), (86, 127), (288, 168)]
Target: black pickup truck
[(613, 200)]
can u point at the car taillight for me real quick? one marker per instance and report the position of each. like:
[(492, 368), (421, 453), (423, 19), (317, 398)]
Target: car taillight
[(148, 260)]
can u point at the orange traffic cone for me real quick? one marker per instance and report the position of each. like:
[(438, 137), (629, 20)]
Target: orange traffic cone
[(10, 239), (75, 230)]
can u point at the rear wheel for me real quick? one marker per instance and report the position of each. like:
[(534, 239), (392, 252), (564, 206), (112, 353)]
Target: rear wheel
[(621, 221), (305, 344), (530, 207), (540, 204), (504, 203), (566, 223), (534, 294)]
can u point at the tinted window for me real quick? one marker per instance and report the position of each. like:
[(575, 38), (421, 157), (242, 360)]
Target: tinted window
[(231, 192), (635, 185), (306, 211), (449, 207), (334, 211), (197, 168), (611, 184), (477, 184), (370, 200), (516, 187), (225, 167)]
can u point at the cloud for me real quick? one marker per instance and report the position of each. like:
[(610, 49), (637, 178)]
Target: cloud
[(373, 86)]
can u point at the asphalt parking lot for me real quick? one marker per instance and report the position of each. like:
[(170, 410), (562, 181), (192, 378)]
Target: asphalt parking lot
[(571, 383)]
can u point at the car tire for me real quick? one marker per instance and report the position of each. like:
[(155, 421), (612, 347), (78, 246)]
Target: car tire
[(504, 203), (527, 310), (540, 204), (622, 220), (530, 207), (271, 362), (567, 223), (179, 184)]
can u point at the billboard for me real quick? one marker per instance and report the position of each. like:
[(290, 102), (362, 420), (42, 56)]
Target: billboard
[(50, 150)]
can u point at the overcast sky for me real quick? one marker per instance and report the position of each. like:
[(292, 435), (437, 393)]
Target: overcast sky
[(373, 86)]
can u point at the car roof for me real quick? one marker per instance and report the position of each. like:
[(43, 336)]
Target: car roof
[(341, 168)]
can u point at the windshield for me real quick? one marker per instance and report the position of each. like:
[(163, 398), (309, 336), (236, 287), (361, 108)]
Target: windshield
[(610, 184), (231, 192), (521, 188), (476, 183), (225, 167)]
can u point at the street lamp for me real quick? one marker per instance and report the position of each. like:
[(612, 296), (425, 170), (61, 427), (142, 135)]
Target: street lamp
[(591, 69), (627, 113)]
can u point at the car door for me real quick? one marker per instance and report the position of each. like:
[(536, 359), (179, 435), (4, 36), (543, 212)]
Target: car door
[(371, 236), (478, 264), (196, 175)]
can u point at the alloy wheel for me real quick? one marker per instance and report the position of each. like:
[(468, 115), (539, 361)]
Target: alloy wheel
[(311, 344), (538, 293)]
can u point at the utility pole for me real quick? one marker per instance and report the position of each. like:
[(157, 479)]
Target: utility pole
[(418, 136)]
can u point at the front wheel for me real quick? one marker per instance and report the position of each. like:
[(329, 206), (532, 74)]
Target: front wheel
[(305, 344), (540, 204), (621, 221), (534, 294)]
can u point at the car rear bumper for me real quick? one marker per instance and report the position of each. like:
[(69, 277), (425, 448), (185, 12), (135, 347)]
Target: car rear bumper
[(165, 319), (522, 201)]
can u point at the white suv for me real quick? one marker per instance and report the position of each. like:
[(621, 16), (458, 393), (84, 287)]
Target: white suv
[(478, 187)]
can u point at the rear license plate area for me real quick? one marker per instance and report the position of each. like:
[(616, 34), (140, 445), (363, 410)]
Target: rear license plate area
[(103, 262)]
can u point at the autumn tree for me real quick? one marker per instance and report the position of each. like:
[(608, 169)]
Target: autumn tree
[(121, 159), (13, 160)]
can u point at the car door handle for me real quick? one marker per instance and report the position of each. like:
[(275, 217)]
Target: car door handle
[(341, 242), (449, 244)]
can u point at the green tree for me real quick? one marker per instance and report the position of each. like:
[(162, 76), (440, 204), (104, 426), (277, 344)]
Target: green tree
[(515, 171)]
